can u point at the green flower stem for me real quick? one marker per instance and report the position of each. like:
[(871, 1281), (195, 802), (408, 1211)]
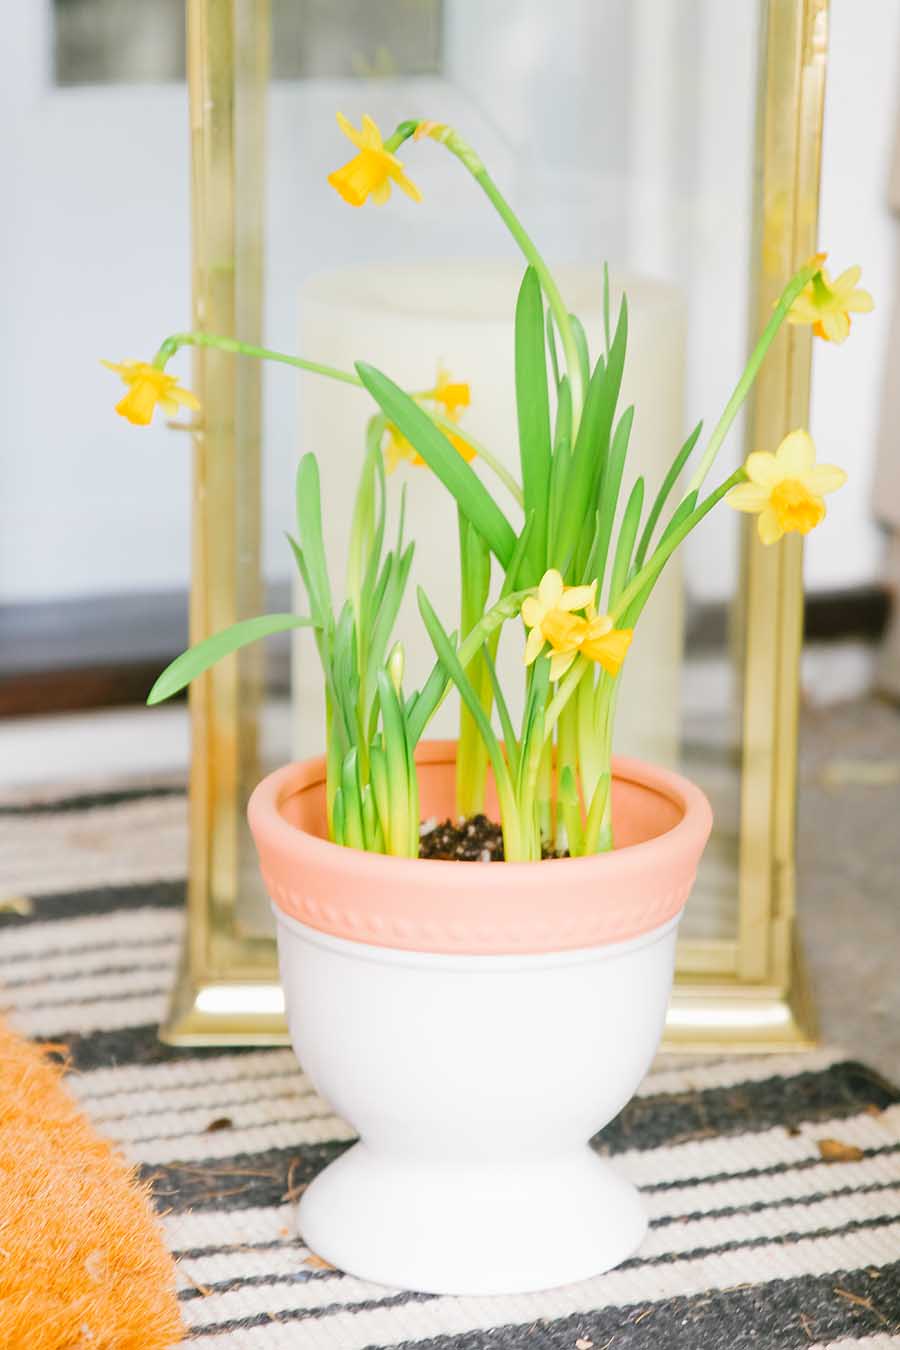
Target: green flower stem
[(642, 583), (225, 344), (471, 751), (751, 370), (173, 344), (401, 134), (564, 691), (453, 142)]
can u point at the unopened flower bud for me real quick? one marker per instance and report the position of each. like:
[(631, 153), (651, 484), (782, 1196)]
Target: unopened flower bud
[(396, 665)]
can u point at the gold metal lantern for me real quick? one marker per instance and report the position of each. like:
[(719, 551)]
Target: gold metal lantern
[(737, 987)]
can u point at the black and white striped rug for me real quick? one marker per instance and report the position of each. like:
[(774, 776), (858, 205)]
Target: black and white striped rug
[(756, 1238)]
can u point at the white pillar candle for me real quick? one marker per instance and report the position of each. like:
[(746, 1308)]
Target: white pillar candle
[(407, 319)]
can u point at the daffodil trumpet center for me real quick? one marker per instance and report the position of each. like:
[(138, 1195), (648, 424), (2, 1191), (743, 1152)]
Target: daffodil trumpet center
[(796, 507)]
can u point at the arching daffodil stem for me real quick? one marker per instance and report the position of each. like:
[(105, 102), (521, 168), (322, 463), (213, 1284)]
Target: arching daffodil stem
[(174, 344), (225, 344), (795, 286), (452, 141)]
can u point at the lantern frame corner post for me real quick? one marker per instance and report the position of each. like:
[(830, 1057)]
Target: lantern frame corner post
[(766, 1004), (227, 989)]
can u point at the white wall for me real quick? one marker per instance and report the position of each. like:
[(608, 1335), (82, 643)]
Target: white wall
[(95, 257)]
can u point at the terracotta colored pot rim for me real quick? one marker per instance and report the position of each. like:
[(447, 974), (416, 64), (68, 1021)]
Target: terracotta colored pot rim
[(441, 906)]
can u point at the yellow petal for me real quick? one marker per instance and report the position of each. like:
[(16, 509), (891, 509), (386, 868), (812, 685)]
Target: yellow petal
[(185, 398), (405, 184), (835, 325), (600, 625), (762, 468), (559, 664), (381, 192), (822, 478), (748, 497), (371, 136), (846, 282), (350, 131), (534, 646), (859, 302), (577, 597), (803, 310), (795, 455), (550, 590), (769, 526), (532, 611)]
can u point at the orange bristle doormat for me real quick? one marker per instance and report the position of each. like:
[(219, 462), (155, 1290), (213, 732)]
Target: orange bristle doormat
[(83, 1264)]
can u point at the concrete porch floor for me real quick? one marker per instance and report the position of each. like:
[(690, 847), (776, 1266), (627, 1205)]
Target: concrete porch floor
[(848, 863)]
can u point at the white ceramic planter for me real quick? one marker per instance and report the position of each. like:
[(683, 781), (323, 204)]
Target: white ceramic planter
[(476, 1024), (475, 1083)]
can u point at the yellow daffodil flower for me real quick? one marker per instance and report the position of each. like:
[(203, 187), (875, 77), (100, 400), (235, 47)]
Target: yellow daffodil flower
[(605, 644), (448, 395), (550, 616), (451, 394), (594, 637), (371, 172), (827, 304), (147, 386), (397, 448), (786, 489)]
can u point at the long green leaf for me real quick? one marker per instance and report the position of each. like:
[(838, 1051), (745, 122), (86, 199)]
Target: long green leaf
[(309, 528), (445, 461), (625, 544), (422, 709), (592, 445), (378, 777), (637, 592), (447, 655), (515, 578), (398, 828), (389, 606), (354, 827), (662, 496), (362, 528), (570, 805), (551, 345), (533, 408), (584, 355), (509, 734), (200, 657), (606, 325), (610, 485), (681, 513), (338, 823)]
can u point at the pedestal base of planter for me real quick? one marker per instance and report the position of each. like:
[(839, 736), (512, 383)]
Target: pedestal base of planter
[(504, 1228)]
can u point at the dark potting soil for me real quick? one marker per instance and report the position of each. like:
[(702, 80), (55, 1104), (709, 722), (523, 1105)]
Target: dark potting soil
[(477, 839)]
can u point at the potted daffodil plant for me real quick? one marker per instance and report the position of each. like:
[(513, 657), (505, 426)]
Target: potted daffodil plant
[(478, 1025)]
